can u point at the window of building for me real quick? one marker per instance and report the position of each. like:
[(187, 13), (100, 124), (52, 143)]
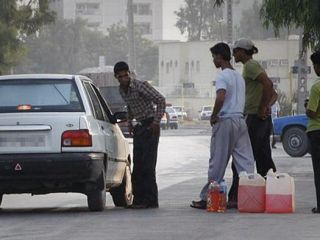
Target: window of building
[(198, 66), (145, 28), (142, 9), (186, 68), (167, 67), (87, 8)]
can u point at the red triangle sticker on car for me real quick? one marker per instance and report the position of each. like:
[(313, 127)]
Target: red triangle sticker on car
[(17, 167)]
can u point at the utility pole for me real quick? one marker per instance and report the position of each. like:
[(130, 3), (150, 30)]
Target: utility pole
[(131, 44), (229, 21), (302, 76)]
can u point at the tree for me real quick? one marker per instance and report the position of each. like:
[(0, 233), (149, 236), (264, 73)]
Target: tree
[(297, 13), (199, 19), (63, 47), (68, 46), (17, 20), (117, 49)]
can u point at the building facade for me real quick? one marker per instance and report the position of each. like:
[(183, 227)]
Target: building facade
[(187, 74), (155, 18)]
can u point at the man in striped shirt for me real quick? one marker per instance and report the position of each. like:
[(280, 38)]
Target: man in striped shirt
[(147, 106)]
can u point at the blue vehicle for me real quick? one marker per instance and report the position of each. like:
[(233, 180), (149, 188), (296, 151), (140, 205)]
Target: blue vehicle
[(292, 132)]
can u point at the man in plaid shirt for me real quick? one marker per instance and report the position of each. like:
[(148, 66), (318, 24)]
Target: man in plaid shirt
[(147, 106)]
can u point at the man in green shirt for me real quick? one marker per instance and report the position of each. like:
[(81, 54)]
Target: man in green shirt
[(260, 96), (313, 128)]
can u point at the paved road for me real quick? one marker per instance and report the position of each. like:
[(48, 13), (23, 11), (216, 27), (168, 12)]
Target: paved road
[(182, 166)]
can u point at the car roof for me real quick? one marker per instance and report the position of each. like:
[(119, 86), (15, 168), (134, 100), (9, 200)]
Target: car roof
[(40, 76)]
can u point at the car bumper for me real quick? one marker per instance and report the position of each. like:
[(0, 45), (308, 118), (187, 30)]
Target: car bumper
[(45, 173)]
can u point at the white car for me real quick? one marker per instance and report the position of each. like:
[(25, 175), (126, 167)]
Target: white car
[(173, 118), (180, 112), (205, 113), (57, 134)]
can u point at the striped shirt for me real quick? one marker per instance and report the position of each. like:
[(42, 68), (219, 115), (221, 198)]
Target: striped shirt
[(143, 101)]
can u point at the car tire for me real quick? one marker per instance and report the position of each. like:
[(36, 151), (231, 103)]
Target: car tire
[(176, 126), (97, 198), (295, 142), (122, 195)]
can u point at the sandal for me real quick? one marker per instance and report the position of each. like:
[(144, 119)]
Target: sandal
[(199, 204), (315, 210)]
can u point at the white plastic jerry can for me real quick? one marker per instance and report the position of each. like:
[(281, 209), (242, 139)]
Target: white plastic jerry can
[(280, 193), (251, 193)]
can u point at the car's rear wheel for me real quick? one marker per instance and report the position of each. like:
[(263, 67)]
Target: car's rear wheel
[(295, 142), (97, 198), (122, 195)]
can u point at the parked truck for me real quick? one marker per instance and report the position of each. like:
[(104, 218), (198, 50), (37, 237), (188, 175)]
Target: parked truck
[(104, 78)]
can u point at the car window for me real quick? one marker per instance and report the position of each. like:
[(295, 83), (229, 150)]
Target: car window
[(178, 109), (95, 104), (39, 95), (170, 110), (104, 104), (207, 108)]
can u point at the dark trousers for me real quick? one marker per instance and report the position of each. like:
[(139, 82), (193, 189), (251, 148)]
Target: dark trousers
[(259, 133), (145, 150), (314, 141)]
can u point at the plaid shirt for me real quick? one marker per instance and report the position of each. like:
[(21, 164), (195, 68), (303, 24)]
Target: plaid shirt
[(141, 100)]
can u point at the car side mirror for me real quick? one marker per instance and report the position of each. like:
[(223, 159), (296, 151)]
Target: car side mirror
[(120, 117)]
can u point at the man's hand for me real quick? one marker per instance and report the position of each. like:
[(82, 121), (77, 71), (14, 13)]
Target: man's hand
[(155, 128), (214, 119), (130, 129), (264, 112)]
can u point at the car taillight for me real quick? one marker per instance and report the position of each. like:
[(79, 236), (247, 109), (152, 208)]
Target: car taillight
[(76, 138)]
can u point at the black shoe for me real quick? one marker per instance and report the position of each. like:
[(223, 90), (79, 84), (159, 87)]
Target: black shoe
[(138, 206), (232, 204), (153, 206), (315, 210), (199, 204)]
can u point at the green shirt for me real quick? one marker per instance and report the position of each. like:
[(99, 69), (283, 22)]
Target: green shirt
[(251, 70), (314, 106)]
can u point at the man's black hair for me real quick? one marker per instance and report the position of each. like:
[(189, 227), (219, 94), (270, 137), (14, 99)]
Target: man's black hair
[(221, 49), (120, 66), (315, 57)]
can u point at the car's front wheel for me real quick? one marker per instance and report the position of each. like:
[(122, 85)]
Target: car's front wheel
[(122, 195), (295, 142)]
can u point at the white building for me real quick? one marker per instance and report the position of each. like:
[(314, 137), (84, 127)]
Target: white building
[(187, 72), (155, 18)]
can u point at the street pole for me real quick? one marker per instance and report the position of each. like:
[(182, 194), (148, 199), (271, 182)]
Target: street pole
[(131, 44), (302, 76), (229, 21)]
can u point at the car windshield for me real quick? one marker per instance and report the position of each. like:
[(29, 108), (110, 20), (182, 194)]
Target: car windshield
[(178, 109), (170, 110), (39, 95), (208, 108)]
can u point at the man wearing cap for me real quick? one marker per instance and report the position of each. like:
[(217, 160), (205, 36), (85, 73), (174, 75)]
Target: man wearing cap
[(229, 129), (260, 96), (147, 106)]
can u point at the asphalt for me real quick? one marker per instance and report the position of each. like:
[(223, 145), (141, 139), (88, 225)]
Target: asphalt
[(200, 224)]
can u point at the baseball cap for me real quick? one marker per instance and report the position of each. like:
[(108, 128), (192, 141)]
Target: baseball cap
[(246, 44)]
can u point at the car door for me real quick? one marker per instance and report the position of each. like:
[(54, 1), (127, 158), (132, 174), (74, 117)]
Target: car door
[(113, 148)]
